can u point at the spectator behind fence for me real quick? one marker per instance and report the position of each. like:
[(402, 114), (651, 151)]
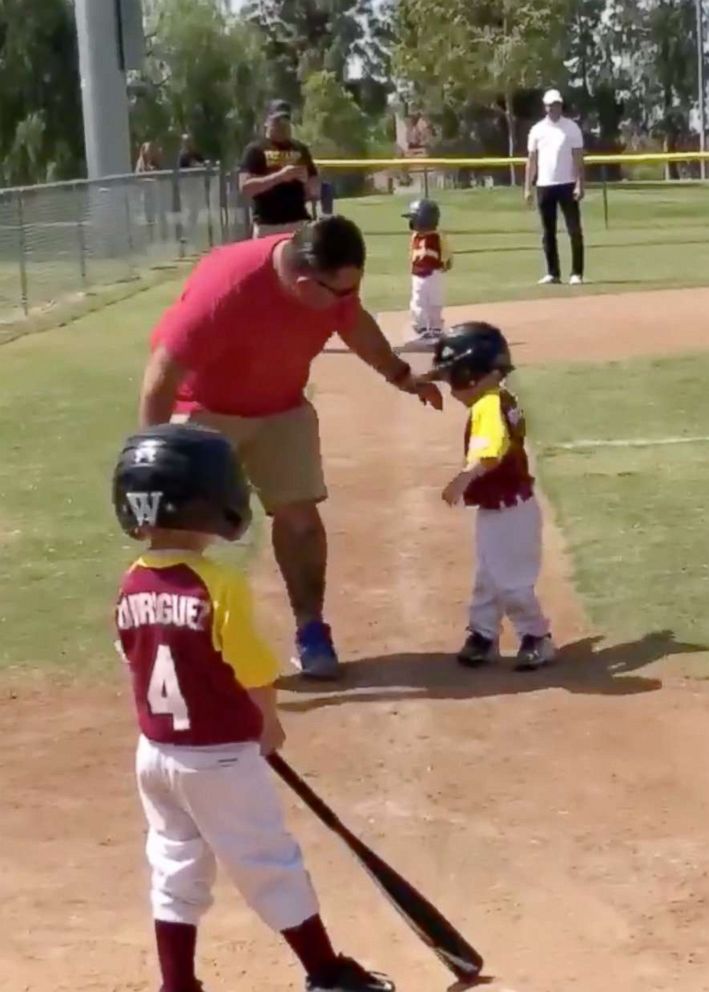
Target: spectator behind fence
[(556, 164), (279, 176), (192, 191), (149, 157), (150, 160)]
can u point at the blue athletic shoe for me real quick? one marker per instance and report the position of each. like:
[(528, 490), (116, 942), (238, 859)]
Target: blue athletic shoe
[(315, 653)]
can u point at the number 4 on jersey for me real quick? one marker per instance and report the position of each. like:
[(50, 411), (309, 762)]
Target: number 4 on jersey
[(164, 696)]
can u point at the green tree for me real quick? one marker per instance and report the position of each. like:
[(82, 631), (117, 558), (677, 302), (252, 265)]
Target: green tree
[(307, 36), (453, 52), (658, 42), (597, 59), (333, 125), (206, 73), (41, 133)]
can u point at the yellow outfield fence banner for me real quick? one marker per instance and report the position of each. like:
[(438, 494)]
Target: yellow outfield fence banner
[(630, 159)]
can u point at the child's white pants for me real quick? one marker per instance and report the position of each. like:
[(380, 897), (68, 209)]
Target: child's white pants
[(508, 561), (427, 302), (219, 803)]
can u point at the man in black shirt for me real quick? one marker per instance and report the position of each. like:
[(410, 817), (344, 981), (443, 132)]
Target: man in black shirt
[(279, 176)]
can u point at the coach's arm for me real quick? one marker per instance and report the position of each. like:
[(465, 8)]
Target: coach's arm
[(366, 339), (161, 381)]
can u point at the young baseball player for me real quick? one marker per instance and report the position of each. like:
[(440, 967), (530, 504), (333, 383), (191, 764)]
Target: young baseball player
[(204, 691), (474, 358), (430, 258)]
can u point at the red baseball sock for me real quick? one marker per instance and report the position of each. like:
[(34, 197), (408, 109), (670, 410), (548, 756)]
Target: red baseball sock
[(177, 943), (311, 945)]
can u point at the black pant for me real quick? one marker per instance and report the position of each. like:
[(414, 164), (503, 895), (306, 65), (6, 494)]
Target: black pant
[(549, 199)]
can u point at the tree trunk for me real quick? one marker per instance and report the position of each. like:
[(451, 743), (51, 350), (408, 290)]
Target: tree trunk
[(511, 125)]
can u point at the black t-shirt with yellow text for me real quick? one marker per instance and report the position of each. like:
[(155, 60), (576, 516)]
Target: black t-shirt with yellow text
[(286, 202)]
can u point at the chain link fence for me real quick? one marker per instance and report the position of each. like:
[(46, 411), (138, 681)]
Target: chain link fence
[(62, 239)]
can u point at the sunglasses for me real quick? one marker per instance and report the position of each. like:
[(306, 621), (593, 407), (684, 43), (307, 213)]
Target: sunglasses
[(341, 294)]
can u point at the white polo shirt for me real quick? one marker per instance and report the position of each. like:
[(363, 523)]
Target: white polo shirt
[(554, 142)]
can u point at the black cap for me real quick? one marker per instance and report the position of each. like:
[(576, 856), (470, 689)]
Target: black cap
[(279, 108)]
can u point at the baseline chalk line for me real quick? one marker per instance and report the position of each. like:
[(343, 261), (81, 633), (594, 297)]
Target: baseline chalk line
[(628, 442)]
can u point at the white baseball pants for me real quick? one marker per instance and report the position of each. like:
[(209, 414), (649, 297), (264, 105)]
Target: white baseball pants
[(508, 546), (209, 803), (427, 302)]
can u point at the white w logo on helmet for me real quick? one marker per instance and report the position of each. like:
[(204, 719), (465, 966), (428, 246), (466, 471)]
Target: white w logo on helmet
[(145, 507)]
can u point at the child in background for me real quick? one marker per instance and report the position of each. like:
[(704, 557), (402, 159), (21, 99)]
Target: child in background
[(203, 681), (474, 358), (430, 258)]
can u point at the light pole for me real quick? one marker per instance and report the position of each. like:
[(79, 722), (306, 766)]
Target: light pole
[(701, 86), (110, 34)]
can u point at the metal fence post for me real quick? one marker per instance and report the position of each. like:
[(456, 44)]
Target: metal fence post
[(207, 193), (425, 181), (129, 232), (24, 286), (604, 178), (177, 208), (81, 239), (223, 205)]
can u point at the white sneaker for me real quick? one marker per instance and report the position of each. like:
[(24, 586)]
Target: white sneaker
[(576, 281), (549, 281)]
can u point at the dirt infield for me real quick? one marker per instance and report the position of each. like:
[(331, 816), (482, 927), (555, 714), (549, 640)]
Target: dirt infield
[(561, 819)]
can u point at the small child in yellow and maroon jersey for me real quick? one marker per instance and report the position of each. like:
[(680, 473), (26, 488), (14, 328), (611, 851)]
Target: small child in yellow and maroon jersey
[(474, 358), (430, 258), (203, 681)]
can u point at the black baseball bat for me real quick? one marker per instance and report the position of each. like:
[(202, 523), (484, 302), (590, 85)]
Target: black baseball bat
[(424, 919)]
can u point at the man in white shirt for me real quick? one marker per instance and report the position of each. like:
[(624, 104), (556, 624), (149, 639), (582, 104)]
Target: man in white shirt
[(556, 164)]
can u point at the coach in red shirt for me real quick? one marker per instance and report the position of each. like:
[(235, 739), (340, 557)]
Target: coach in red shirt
[(235, 352)]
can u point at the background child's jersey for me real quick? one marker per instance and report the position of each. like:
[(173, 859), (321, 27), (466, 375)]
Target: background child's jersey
[(429, 253), (186, 631)]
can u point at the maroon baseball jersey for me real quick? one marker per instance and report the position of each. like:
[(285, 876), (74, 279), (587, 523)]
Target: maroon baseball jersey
[(511, 479), (186, 632), (429, 253)]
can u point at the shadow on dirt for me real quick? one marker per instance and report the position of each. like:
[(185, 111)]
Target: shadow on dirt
[(583, 666)]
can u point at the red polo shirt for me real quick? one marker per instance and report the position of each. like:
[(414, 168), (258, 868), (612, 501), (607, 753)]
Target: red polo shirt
[(246, 342)]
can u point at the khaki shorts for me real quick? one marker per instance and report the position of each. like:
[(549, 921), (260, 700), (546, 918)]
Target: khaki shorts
[(280, 454), (265, 230)]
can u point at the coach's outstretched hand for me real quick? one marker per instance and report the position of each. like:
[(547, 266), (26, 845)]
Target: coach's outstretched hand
[(428, 393)]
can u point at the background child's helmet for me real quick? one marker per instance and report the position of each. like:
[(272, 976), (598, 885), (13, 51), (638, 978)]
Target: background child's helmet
[(181, 477), (468, 353), (423, 215)]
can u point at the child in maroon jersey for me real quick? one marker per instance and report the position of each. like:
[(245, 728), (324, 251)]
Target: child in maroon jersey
[(430, 259), (475, 359), (203, 682)]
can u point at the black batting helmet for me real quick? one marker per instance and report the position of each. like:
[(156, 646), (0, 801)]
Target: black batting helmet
[(469, 352), (423, 215), (180, 477)]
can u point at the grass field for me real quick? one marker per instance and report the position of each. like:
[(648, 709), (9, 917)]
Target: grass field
[(635, 517), (658, 237)]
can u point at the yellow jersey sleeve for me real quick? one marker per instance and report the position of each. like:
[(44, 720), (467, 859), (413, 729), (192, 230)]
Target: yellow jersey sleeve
[(234, 630), (489, 436)]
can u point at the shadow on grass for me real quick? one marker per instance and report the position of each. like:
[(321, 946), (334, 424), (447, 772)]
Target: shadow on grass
[(584, 666)]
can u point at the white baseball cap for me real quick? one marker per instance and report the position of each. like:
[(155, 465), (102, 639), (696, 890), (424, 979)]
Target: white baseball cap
[(552, 96)]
